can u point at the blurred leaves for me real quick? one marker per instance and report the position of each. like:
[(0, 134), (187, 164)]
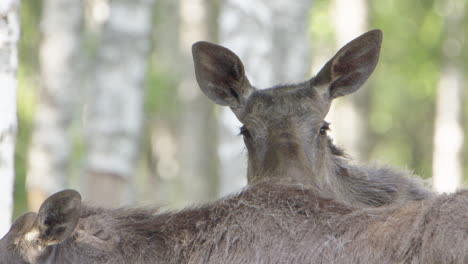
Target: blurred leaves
[(28, 87), (405, 83), (402, 97)]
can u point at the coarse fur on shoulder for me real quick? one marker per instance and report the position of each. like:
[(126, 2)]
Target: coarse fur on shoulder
[(268, 222), (374, 185)]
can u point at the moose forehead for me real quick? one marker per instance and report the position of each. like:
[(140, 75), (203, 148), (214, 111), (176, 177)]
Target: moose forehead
[(297, 100)]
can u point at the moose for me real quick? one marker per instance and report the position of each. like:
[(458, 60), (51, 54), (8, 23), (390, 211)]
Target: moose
[(284, 128), (268, 222), (305, 202)]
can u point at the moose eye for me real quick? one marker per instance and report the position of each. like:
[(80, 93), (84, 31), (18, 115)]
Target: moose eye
[(36, 243), (324, 129), (244, 131)]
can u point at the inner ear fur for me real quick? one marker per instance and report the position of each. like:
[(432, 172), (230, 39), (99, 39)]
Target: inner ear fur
[(23, 223), (58, 217), (220, 74), (352, 65)]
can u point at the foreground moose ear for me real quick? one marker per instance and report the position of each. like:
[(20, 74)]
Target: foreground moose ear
[(220, 74), (23, 223), (57, 218), (352, 65)]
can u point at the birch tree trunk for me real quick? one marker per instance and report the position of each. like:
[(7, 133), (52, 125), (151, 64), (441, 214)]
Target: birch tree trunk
[(49, 153), (349, 115), (448, 131), (197, 130), (271, 38), (9, 35), (115, 111)]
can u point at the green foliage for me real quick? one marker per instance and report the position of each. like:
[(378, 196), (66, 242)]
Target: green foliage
[(26, 102), (27, 90), (30, 36), (405, 83), (161, 88)]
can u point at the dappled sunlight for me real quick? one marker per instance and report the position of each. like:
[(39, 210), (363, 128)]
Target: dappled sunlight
[(100, 11)]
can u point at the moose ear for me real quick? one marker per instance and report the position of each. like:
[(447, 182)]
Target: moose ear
[(352, 65), (23, 222), (57, 217), (220, 74)]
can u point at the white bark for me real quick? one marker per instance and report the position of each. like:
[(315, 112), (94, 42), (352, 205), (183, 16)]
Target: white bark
[(349, 114), (115, 111), (50, 149), (271, 38), (448, 134), (9, 35), (197, 130)]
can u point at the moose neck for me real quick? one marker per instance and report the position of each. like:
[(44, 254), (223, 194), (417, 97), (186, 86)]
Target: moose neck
[(327, 169), (280, 169), (287, 161)]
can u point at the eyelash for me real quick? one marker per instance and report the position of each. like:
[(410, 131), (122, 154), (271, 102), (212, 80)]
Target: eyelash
[(324, 129), (244, 131)]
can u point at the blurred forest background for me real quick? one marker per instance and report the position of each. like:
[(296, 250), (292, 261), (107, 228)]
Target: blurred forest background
[(108, 103)]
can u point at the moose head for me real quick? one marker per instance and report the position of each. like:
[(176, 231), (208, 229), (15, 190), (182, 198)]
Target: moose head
[(33, 236), (283, 127)]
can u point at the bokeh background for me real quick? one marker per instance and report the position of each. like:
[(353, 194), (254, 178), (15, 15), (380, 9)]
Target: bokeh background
[(108, 103)]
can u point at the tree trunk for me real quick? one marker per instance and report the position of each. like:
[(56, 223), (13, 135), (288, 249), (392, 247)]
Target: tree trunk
[(9, 35), (197, 129), (115, 111), (49, 153), (349, 115), (271, 38), (448, 134), (162, 184)]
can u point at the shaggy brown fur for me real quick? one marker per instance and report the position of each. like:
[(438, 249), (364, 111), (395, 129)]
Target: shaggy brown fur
[(305, 204), (266, 223), (284, 128)]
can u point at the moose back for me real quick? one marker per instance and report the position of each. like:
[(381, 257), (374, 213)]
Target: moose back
[(266, 223)]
